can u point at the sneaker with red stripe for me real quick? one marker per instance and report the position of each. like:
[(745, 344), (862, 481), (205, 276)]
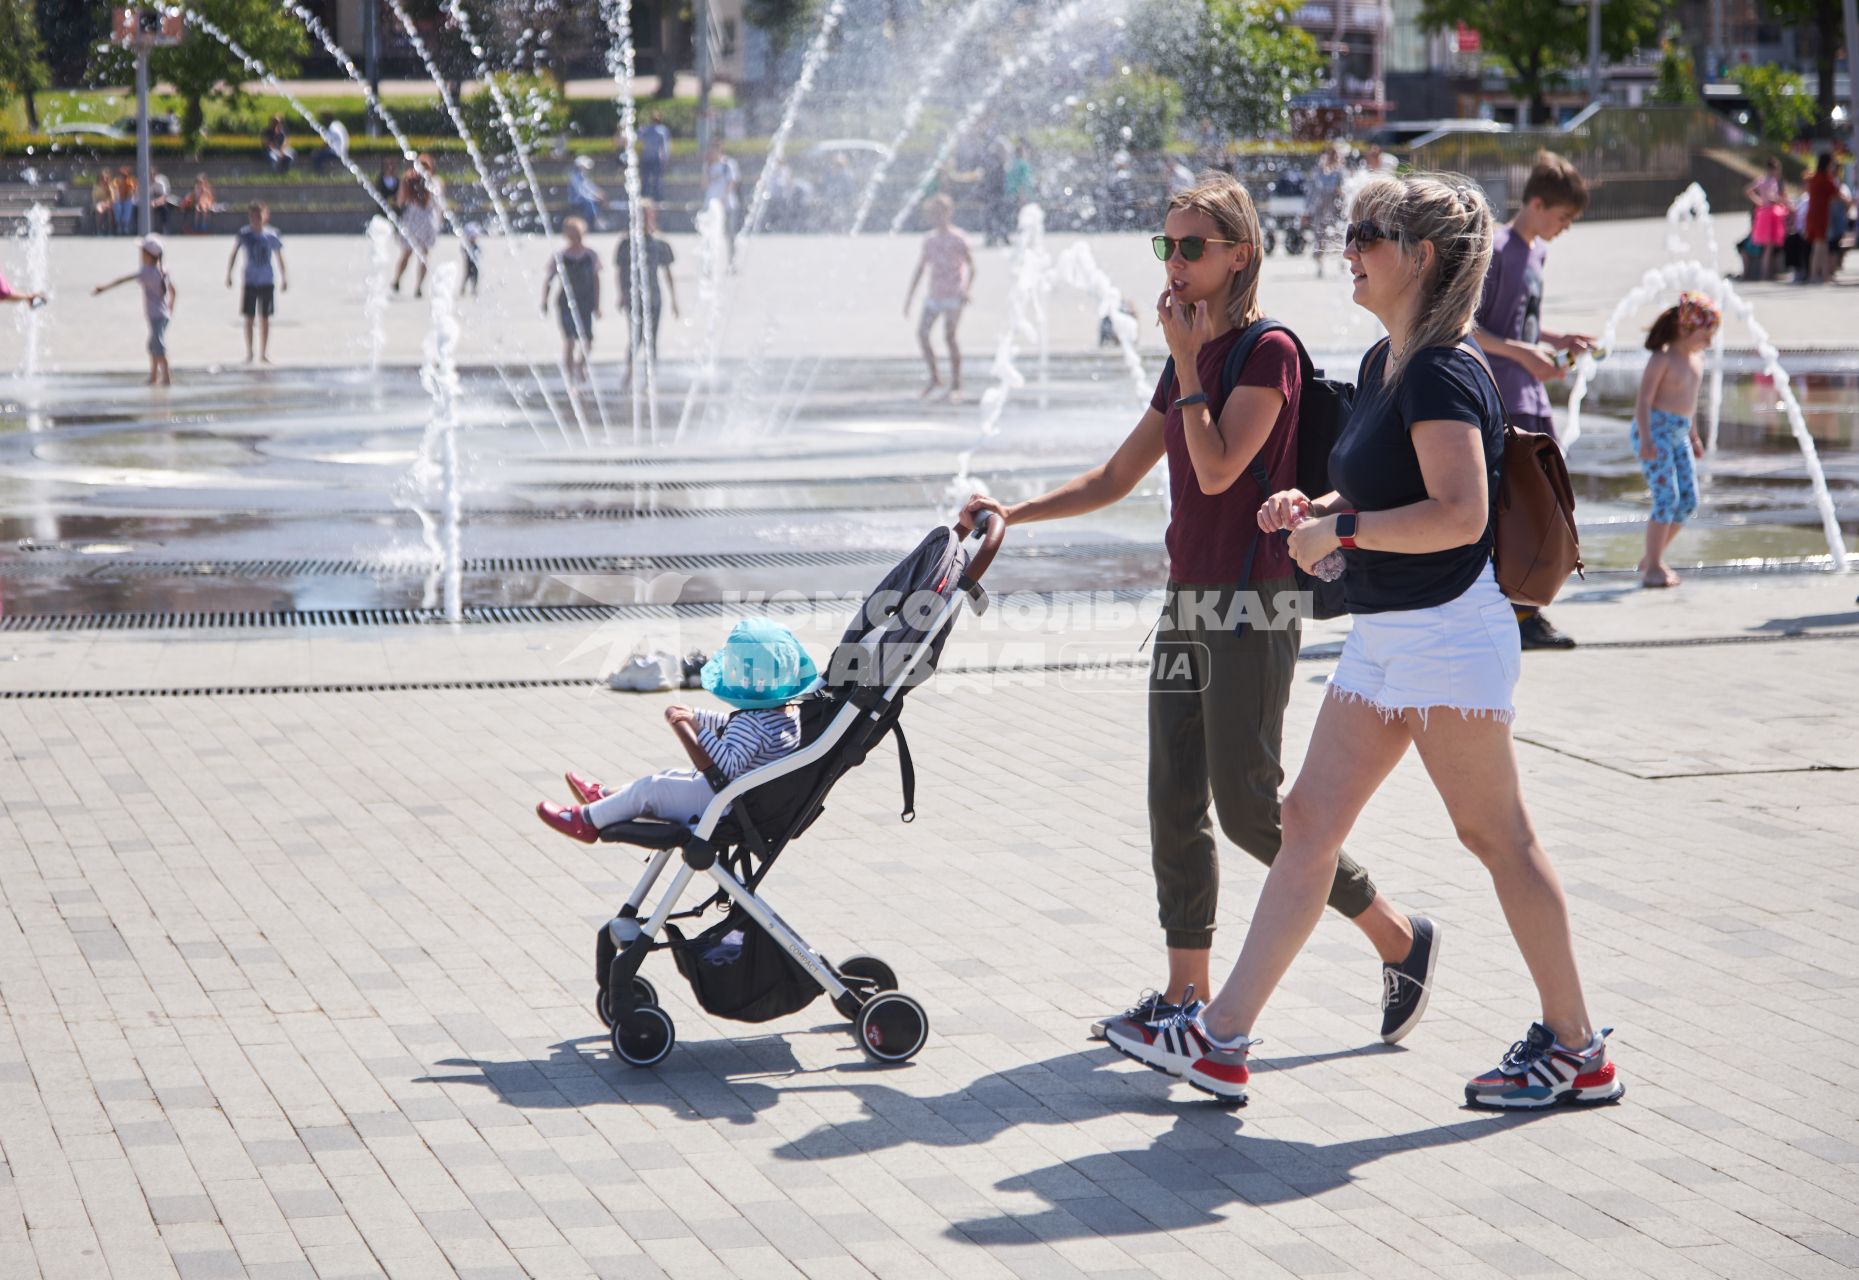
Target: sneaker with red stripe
[(1541, 1072), (1180, 1046)]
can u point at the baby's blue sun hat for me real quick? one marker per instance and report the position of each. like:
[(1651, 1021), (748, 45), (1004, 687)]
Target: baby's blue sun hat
[(761, 665)]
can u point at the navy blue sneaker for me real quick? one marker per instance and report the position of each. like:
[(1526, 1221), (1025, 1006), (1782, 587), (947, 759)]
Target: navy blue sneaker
[(1405, 986)]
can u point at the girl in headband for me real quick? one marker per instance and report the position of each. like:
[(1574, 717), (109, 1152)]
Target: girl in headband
[(1664, 431)]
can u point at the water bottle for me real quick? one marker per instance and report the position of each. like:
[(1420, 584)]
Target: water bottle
[(1331, 567)]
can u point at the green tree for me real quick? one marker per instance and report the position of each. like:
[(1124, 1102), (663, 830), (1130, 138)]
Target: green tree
[(1245, 59), (1536, 42), (1779, 99), (22, 57), (72, 30), (1678, 77), (1827, 20), (783, 20), (202, 69)]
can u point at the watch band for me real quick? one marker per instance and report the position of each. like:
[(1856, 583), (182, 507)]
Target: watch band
[(1199, 397), (1346, 528)]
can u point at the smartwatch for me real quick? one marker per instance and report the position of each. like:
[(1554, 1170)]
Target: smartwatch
[(1346, 529)]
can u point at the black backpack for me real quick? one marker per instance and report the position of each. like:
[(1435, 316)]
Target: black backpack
[(1322, 409)]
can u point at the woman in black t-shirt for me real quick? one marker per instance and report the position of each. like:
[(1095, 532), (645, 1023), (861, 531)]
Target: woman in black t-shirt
[(1433, 656)]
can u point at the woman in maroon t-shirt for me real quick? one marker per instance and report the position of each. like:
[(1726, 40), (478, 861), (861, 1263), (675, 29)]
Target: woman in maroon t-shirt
[(1227, 644)]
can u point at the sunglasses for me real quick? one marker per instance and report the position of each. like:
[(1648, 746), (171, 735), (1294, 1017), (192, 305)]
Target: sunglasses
[(1365, 235), (1192, 247)]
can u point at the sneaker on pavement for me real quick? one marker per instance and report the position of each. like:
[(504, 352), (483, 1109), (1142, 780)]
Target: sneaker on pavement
[(1222, 1070), (1149, 1007), (1406, 986), (1538, 1072), (1180, 1046), (1170, 1045), (568, 820), (1538, 632), (585, 789)]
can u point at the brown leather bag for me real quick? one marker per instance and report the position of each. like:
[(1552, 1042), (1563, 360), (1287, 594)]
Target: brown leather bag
[(1537, 546)]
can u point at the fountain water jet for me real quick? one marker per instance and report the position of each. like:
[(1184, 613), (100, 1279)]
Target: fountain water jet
[(713, 260), (380, 272), (777, 145), (1038, 48), (620, 61), (432, 487), (38, 280), (1661, 282), (1693, 206), (913, 110)]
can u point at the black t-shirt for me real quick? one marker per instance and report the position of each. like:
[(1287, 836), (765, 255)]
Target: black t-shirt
[(1374, 468), (658, 256)]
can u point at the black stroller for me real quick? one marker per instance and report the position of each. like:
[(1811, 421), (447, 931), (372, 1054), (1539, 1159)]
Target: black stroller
[(750, 966)]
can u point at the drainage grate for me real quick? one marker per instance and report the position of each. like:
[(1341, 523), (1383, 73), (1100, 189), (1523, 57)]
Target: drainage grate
[(479, 614), (111, 567)]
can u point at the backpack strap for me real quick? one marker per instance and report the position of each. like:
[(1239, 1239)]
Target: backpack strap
[(908, 772)]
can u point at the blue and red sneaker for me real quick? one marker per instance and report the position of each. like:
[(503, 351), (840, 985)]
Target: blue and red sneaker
[(1540, 1072)]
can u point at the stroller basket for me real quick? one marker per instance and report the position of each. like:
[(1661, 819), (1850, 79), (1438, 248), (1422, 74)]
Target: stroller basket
[(738, 971), (751, 966)]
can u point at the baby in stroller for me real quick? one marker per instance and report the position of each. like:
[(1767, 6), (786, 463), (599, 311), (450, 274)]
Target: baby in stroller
[(761, 670)]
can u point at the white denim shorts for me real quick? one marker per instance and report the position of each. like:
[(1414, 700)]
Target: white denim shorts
[(1464, 655)]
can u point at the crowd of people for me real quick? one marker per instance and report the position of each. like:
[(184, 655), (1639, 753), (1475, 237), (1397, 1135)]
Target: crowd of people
[(1801, 235)]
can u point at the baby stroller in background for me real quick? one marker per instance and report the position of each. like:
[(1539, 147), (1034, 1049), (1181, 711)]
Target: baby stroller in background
[(1285, 213), (750, 966)]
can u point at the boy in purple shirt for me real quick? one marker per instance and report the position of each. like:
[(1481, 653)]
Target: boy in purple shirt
[(1523, 353)]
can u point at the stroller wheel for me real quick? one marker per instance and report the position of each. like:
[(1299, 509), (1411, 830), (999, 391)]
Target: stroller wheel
[(644, 1036), (891, 1027), (875, 971), (643, 993)]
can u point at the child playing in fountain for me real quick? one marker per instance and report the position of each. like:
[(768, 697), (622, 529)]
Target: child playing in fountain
[(761, 670), (656, 260), (157, 305), (578, 303), (261, 245), (1664, 432), (951, 270)]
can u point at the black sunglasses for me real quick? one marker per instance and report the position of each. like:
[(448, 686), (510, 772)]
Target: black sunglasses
[(1192, 247), (1365, 235)]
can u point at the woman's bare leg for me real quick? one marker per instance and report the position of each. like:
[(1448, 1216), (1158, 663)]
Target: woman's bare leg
[(1473, 763), (1352, 750)]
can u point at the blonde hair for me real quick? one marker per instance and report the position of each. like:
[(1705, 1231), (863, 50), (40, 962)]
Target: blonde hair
[(1220, 196), (1450, 213)]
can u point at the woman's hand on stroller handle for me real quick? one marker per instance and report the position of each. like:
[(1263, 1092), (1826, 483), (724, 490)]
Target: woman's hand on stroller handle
[(974, 514)]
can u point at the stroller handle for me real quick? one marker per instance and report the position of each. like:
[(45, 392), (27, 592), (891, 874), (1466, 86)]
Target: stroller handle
[(993, 531)]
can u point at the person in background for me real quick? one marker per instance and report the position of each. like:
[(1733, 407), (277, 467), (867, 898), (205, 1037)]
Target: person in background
[(1822, 190), (157, 305), (335, 146), (199, 204), (1768, 196), (722, 181), (654, 155), (577, 268), (658, 258), (160, 198), (1509, 323), (387, 184), (585, 198), (123, 201), (951, 269), (276, 143), (103, 205), (262, 245), (468, 241)]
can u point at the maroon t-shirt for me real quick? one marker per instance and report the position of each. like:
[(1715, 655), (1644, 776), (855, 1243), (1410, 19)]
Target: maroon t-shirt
[(1208, 533)]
